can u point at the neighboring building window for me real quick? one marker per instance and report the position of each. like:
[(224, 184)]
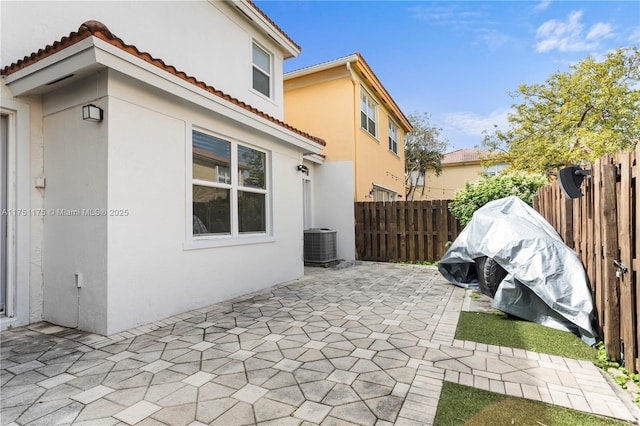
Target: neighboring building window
[(393, 137), (493, 169), (367, 113), (379, 194), (223, 205), (224, 174), (261, 60)]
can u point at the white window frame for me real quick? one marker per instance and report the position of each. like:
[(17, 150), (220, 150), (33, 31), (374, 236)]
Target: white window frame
[(393, 141), (234, 237), (225, 174), (17, 310), (371, 109), (493, 169), (384, 195), (255, 67)]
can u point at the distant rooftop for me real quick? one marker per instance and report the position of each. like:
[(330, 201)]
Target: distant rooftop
[(465, 155)]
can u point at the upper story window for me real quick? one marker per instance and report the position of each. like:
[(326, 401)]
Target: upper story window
[(393, 137), (261, 60), (230, 192), (368, 116), (493, 169)]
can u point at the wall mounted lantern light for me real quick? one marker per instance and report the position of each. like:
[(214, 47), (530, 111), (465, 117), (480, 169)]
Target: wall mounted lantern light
[(303, 169), (92, 113)]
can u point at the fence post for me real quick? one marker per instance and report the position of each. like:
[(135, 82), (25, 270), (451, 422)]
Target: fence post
[(610, 249)]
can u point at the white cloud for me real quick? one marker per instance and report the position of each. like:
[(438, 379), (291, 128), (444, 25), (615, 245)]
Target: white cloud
[(492, 38), (463, 18), (543, 5), (475, 124), (634, 38), (569, 35), (451, 14), (599, 31)]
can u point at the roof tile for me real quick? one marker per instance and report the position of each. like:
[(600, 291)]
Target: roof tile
[(273, 23), (465, 155), (99, 30)]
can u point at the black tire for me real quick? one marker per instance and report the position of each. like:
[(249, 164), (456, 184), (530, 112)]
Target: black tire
[(490, 275)]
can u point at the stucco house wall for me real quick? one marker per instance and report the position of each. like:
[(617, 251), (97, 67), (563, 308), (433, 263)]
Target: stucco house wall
[(325, 100), (112, 247), (452, 179), (458, 168), (209, 40)]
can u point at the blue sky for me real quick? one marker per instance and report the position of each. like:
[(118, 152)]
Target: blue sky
[(457, 60)]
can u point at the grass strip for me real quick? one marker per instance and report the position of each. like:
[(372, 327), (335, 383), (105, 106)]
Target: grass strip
[(500, 330), (463, 405)]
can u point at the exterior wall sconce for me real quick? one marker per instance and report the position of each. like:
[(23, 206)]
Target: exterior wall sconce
[(303, 169), (92, 113)]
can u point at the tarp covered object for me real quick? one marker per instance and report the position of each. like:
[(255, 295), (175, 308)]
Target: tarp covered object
[(546, 282)]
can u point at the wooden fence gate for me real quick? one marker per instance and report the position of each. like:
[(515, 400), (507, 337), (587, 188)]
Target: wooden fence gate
[(602, 227), (404, 231)]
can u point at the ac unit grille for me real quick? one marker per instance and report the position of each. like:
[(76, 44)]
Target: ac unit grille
[(320, 246)]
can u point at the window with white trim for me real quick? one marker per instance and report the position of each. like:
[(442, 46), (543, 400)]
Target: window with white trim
[(368, 116), (230, 191), (379, 194), (393, 137), (493, 169), (261, 60)]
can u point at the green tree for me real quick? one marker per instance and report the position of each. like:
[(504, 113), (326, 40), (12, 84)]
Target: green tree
[(576, 116), (488, 188), (423, 150)]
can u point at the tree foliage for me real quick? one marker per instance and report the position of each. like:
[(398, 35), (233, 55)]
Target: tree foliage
[(574, 117), (423, 150), (488, 188)]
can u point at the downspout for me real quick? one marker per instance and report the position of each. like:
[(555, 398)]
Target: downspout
[(355, 132)]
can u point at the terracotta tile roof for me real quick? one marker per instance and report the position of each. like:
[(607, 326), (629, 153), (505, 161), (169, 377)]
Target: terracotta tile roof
[(99, 30), (274, 24), (464, 155)]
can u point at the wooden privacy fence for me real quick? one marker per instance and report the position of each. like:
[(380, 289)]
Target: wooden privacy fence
[(404, 231), (602, 227)]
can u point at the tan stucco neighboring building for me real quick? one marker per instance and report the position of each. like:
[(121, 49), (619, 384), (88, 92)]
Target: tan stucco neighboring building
[(343, 102), (458, 167)]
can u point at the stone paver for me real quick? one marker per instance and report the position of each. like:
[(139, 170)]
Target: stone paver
[(363, 344)]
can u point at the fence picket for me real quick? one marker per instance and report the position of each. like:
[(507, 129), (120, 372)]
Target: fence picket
[(628, 325), (405, 231), (603, 226)]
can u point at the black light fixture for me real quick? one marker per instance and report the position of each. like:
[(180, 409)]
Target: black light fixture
[(92, 113), (303, 169), (570, 179)]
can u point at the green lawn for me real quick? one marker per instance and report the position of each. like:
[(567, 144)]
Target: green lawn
[(463, 405), (498, 329)]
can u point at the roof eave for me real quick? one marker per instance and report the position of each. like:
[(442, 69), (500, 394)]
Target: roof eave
[(258, 18), (92, 54), (366, 73), (321, 67)]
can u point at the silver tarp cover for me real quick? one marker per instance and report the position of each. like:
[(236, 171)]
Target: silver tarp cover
[(546, 282)]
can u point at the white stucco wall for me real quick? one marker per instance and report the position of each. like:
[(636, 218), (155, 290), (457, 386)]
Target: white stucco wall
[(151, 275), (141, 268), (75, 241), (333, 204), (208, 40)]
